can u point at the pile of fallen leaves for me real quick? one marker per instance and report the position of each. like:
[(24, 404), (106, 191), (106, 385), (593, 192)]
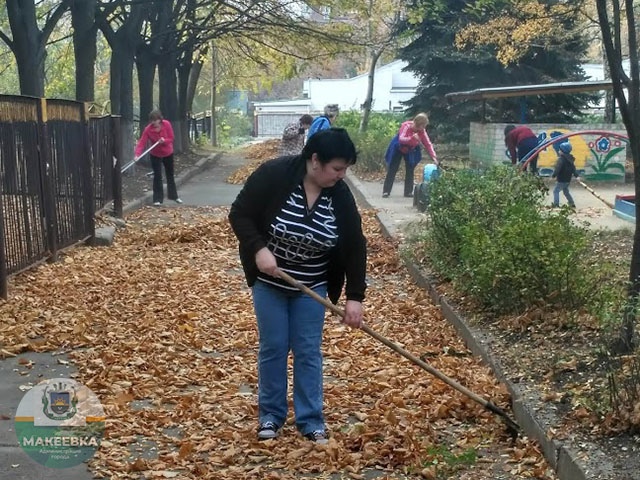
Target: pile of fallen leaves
[(258, 153), (161, 328)]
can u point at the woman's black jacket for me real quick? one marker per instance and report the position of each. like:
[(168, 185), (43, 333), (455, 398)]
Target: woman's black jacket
[(261, 199)]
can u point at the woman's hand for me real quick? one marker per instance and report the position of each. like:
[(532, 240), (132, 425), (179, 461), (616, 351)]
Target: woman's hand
[(353, 314), (266, 262)]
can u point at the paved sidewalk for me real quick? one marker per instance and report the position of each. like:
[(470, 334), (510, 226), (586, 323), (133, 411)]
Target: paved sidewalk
[(396, 210)]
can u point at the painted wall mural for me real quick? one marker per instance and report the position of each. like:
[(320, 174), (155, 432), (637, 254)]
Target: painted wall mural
[(599, 150), (598, 157)]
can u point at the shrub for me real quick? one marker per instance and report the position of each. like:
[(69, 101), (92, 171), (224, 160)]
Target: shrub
[(490, 235), (373, 143), (233, 128)]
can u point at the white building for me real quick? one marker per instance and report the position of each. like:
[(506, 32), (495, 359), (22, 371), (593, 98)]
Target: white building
[(391, 87)]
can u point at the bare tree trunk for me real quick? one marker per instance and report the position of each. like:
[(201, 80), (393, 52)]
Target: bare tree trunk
[(146, 67), (184, 71), (126, 104), (633, 124), (123, 45), (29, 43), (214, 85), (194, 77), (609, 100), (115, 82), (169, 96), (121, 94), (610, 25), (84, 45), (368, 102)]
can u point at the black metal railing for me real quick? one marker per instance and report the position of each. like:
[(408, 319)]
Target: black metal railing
[(104, 140), (58, 168)]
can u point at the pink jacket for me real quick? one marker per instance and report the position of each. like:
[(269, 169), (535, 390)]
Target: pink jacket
[(405, 137), (150, 136)]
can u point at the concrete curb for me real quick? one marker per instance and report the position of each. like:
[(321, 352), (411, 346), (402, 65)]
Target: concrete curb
[(562, 458), (181, 179), (357, 189)]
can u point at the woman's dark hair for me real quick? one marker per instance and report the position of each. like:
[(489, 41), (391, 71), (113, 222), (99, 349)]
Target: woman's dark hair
[(330, 144), (306, 119), (508, 128)]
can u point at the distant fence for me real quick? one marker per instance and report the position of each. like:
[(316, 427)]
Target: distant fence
[(271, 124), (265, 124), (58, 168), (198, 125)]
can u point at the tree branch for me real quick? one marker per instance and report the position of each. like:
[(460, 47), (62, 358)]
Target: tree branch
[(7, 40)]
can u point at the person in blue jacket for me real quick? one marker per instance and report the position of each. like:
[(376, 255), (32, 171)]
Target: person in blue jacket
[(296, 214), (323, 122)]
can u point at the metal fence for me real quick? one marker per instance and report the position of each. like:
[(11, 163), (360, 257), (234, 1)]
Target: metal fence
[(199, 125), (265, 124), (104, 134), (57, 169), (271, 124)]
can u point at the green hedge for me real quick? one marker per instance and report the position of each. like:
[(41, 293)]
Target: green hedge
[(373, 143), (491, 235)]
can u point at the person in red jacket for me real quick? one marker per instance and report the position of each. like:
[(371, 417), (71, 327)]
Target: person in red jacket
[(159, 130), (520, 141)]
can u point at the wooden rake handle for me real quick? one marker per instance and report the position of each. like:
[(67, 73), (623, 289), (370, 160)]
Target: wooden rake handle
[(595, 194), (512, 426)]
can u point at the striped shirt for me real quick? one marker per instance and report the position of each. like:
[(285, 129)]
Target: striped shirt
[(301, 239)]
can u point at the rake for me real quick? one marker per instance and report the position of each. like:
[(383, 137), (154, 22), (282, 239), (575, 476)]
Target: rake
[(512, 427), (595, 194), (135, 160)]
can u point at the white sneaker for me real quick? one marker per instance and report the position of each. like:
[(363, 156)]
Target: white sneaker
[(178, 200), (157, 204)]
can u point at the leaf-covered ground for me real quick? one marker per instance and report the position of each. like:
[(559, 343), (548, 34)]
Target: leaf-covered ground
[(556, 360), (161, 328)]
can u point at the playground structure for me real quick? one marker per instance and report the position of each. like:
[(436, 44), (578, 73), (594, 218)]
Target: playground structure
[(624, 205), (603, 150)]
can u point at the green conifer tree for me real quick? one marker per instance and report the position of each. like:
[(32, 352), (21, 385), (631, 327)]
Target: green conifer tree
[(444, 68)]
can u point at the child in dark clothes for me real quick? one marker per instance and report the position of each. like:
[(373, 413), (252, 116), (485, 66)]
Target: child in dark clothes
[(565, 168)]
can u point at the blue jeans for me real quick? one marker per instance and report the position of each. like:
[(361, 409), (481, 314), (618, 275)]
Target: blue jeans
[(564, 188), (289, 321)]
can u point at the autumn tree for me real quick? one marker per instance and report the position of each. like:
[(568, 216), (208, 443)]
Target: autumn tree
[(614, 16), (32, 23), (450, 54), (374, 33), (167, 37), (270, 42)]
